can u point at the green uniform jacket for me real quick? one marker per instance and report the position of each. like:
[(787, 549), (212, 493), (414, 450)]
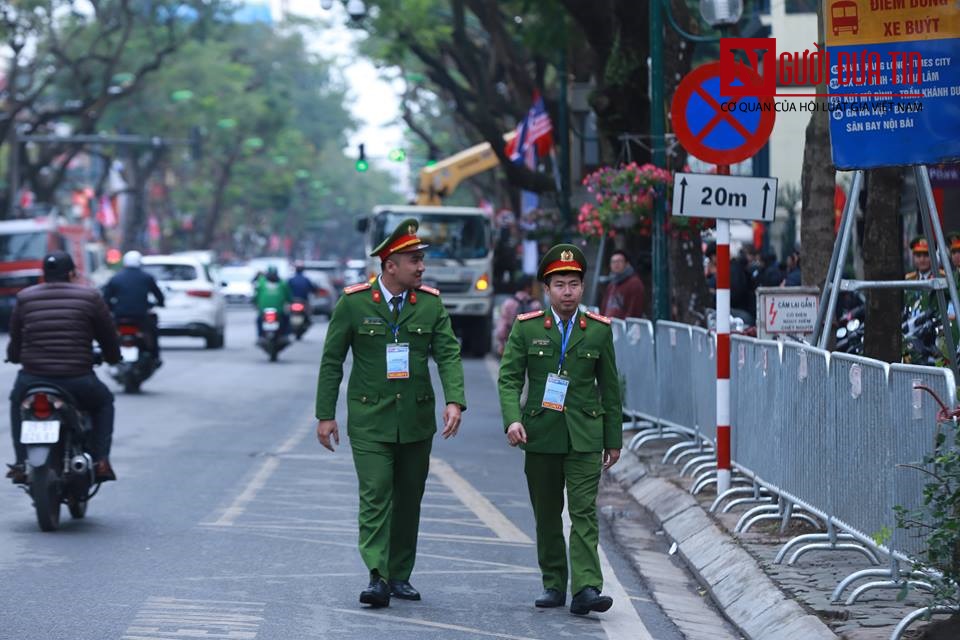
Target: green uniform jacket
[(592, 416), (272, 294), (381, 410)]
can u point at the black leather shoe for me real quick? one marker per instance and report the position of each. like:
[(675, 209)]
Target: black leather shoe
[(377, 594), (589, 599), (551, 598), (404, 590)]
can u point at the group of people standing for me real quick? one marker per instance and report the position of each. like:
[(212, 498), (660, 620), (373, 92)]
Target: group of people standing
[(568, 422)]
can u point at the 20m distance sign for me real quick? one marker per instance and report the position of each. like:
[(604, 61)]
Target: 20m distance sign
[(702, 195)]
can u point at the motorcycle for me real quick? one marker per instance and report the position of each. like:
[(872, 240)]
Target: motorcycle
[(272, 340), (851, 330), (138, 362), (59, 466), (920, 333), (299, 318)]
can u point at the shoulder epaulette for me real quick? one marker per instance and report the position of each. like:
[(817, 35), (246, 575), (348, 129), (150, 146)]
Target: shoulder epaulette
[(911, 276), (598, 317), (424, 287), (529, 315), (362, 286)]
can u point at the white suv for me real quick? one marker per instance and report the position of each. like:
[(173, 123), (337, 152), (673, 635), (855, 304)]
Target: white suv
[(195, 305)]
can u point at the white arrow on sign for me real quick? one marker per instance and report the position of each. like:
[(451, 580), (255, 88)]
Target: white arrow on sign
[(702, 195)]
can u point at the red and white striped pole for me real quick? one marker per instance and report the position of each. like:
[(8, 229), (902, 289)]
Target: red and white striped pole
[(723, 348)]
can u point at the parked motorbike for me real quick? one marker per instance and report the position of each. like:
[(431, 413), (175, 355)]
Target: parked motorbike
[(272, 340), (59, 465), (920, 333), (299, 317), (138, 362), (851, 330)]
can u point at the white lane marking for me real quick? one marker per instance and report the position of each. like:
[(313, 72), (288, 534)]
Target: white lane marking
[(621, 621), (164, 618), (435, 625), (236, 509), (478, 503)]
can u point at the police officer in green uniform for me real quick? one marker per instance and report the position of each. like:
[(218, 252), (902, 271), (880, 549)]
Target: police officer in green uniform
[(391, 326), (569, 425), (920, 300)]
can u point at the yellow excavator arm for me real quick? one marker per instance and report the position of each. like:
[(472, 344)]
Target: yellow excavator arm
[(440, 180)]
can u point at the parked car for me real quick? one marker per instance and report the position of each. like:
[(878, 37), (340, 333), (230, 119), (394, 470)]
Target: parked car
[(325, 296), (195, 306), (330, 267), (354, 272), (236, 282)]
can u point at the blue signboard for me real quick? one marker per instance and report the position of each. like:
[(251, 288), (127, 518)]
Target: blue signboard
[(894, 82)]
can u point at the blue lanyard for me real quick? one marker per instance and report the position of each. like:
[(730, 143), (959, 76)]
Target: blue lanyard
[(564, 339)]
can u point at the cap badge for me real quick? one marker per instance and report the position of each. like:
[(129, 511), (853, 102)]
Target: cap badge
[(566, 256), (411, 229)]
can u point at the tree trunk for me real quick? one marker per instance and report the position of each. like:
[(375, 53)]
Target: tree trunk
[(219, 194), (817, 184), (142, 164), (883, 260)]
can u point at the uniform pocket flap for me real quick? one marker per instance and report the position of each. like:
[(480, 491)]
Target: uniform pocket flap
[(533, 411), (544, 351), (372, 329), (365, 398), (425, 397), (586, 352), (593, 411), (419, 329)]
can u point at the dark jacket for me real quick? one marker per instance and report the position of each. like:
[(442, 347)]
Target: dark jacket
[(625, 296), (301, 286), (126, 293), (53, 326)]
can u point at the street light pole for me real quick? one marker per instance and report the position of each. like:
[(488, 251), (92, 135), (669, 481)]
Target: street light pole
[(661, 274)]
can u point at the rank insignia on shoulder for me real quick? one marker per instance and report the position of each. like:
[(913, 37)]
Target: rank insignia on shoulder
[(598, 317), (424, 287), (529, 315), (362, 286)]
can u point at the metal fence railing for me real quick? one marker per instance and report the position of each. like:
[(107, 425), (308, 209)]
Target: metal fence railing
[(823, 437)]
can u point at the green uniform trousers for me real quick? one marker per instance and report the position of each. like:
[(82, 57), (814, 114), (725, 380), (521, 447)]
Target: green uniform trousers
[(392, 477), (547, 475)]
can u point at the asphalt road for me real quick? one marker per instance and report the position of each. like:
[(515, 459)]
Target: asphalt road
[(230, 521)]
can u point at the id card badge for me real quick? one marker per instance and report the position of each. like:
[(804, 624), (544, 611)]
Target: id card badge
[(555, 393), (398, 361)]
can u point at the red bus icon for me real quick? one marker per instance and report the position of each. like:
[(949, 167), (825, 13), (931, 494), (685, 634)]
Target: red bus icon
[(843, 17)]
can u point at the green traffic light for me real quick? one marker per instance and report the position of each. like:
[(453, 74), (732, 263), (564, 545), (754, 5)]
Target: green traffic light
[(362, 165)]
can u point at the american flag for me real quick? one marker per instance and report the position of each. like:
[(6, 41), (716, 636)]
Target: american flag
[(535, 132)]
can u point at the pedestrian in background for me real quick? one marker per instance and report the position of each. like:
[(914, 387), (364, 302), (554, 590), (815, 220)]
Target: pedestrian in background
[(625, 295), (569, 425), (391, 326), (519, 303)]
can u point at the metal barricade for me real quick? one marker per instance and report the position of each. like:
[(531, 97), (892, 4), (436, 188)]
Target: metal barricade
[(675, 393), (641, 369), (913, 418), (704, 358), (862, 469), (621, 355), (807, 439), (755, 416)]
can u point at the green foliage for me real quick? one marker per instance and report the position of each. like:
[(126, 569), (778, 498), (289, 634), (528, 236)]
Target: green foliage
[(938, 519)]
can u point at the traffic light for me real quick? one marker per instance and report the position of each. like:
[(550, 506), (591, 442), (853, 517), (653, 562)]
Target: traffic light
[(362, 165)]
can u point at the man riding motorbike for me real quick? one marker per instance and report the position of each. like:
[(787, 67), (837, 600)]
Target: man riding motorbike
[(128, 292), (52, 329), (300, 288), (270, 292)]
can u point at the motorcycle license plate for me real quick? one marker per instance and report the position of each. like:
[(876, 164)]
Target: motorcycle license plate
[(39, 431), (297, 320), (271, 326), (130, 354)]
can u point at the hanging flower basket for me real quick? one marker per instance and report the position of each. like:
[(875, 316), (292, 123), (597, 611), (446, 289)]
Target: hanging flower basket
[(623, 200)]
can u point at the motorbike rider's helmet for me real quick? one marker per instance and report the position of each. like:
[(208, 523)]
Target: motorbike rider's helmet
[(272, 274), (132, 259), (299, 266), (57, 266)]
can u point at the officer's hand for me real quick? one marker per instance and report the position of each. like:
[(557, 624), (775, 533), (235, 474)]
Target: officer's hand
[(326, 428), (610, 457), (516, 434), (451, 420)]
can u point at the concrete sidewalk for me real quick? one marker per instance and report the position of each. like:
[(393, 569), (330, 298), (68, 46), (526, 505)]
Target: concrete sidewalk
[(763, 600)]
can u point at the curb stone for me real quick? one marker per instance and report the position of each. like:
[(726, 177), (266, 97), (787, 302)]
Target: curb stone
[(749, 598)]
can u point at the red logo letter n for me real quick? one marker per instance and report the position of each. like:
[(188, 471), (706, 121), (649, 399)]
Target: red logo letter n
[(748, 76)]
